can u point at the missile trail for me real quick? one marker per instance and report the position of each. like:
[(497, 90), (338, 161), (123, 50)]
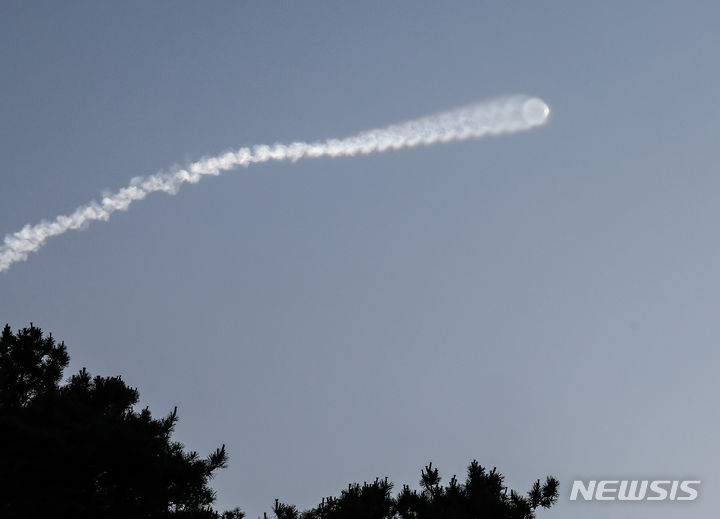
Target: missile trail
[(502, 115)]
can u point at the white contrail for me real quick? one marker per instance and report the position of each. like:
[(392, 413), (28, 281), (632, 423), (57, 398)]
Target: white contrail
[(502, 115)]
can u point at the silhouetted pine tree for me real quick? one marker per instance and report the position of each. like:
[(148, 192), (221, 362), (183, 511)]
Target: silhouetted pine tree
[(369, 501), (483, 496), (82, 451)]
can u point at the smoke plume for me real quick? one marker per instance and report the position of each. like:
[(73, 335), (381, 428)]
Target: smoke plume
[(502, 115)]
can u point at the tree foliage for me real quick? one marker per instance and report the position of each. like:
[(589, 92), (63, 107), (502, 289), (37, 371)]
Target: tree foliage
[(482, 496), (82, 450)]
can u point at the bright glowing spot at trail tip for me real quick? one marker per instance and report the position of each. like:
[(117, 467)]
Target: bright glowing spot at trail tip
[(535, 111)]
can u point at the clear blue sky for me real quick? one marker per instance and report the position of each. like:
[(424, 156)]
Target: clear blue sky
[(545, 302)]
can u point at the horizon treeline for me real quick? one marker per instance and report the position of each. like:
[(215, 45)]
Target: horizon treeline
[(82, 450)]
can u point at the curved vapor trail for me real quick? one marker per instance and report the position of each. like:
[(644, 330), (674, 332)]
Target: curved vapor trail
[(501, 115)]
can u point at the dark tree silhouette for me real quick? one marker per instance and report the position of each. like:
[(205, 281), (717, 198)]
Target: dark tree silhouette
[(483, 496), (81, 450)]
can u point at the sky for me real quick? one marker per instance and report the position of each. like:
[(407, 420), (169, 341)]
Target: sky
[(545, 302)]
